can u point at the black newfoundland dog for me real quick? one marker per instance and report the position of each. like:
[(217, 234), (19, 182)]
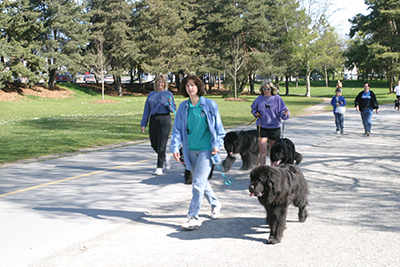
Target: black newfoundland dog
[(277, 188), (284, 151), (244, 143), (188, 174)]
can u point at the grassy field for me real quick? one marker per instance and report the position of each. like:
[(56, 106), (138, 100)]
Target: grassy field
[(37, 127)]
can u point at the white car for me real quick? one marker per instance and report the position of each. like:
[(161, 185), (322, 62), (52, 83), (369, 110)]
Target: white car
[(89, 78)]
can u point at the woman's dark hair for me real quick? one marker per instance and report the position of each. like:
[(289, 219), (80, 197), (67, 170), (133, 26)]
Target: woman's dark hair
[(199, 83)]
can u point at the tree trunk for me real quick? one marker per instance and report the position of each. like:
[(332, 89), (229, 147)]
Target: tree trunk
[(251, 83), (326, 77), (177, 81), (277, 82), (219, 81), (52, 77), (308, 86), (117, 85), (287, 84)]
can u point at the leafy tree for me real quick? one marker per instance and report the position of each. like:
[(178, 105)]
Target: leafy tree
[(381, 28), (312, 46)]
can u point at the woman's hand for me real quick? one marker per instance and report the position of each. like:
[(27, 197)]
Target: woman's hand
[(214, 151), (286, 112), (143, 129), (176, 156)]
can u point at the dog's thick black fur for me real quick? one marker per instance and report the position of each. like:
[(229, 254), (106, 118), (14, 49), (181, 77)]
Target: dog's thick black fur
[(284, 151), (396, 104), (244, 143), (277, 188), (188, 175)]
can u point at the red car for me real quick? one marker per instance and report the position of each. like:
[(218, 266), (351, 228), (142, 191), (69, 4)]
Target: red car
[(62, 78)]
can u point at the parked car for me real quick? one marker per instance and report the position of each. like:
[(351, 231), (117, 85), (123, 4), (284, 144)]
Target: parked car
[(109, 79), (89, 78), (62, 78), (316, 78)]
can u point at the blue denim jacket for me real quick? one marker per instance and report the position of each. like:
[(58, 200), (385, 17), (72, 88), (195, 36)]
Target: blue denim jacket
[(179, 135)]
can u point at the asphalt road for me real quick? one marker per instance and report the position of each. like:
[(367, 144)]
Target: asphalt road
[(106, 208)]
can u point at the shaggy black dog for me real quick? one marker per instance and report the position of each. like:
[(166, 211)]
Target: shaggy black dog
[(396, 104), (277, 188), (244, 143), (284, 151), (188, 174)]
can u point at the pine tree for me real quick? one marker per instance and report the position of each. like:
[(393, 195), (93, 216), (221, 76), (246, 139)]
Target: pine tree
[(112, 19), (61, 35)]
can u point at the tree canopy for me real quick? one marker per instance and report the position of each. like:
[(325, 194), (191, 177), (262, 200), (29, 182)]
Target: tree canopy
[(271, 38)]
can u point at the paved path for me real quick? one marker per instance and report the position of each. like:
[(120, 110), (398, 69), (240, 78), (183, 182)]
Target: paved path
[(106, 208)]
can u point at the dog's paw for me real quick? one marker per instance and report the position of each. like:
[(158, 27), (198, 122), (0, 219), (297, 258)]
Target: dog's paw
[(272, 241), (303, 216)]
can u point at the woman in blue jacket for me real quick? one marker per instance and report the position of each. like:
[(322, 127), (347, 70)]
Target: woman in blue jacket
[(198, 129), (338, 101)]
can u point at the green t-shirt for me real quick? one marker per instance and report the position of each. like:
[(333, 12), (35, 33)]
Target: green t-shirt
[(199, 136)]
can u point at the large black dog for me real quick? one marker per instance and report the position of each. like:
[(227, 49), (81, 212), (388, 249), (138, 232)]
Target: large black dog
[(277, 188), (284, 151), (188, 174), (244, 143)]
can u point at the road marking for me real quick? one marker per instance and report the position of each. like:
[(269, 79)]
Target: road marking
[(72, 178)]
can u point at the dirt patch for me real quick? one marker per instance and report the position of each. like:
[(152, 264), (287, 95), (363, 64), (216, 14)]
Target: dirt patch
[(16, 91), (238, 99), (104, 101)]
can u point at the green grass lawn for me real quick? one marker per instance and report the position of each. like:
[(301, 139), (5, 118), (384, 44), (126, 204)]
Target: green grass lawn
[(37, 127)]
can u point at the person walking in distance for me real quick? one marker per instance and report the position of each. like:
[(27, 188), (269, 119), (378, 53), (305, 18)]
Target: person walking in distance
[(338, 101), (365, 103), (159, 104)]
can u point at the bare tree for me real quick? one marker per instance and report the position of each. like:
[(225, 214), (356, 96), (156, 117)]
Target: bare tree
[(237, 58)]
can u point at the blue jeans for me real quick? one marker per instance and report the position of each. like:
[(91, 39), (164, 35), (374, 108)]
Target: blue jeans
[(339, 121), (366, 116), (201, 163)]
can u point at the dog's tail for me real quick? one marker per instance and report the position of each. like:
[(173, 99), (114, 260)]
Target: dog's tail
[(298, 157)]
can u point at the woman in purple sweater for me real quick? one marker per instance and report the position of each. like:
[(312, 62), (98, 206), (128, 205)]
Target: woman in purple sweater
[(269, 109)]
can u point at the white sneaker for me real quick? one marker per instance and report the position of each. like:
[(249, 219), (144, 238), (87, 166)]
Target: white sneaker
[(191, 224), (158, 171), (167, 162), (215, 211)]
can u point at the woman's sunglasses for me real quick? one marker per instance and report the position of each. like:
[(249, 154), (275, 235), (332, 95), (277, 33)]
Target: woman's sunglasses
[(265, 88)]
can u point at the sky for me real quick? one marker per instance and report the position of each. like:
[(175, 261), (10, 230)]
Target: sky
[(346, 9)]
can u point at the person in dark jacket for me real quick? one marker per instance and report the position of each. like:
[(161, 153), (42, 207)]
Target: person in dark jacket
[(365, 103)]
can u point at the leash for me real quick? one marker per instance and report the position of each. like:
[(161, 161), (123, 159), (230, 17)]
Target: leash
[(226, 180), (283, 129), (259, 145), (249, 124), (170, 103)]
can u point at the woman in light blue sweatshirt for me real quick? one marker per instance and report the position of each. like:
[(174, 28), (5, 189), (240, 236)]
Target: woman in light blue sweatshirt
[(198, 129)]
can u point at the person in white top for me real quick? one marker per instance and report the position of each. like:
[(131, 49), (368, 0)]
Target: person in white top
[(397, 90)]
